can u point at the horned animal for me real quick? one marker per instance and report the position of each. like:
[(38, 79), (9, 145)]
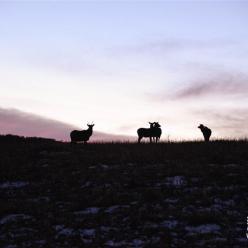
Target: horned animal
[(145, 132), (153, 133), (82, 136), (206, 132)]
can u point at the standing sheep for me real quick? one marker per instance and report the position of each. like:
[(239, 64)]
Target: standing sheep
[(82, 136), (206, 132), (153, 133), (156, 131), (145, 133)]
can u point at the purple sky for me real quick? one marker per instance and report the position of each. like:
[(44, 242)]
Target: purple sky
[(122, 64)]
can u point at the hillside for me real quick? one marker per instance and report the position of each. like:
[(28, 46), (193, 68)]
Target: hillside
[(29, 124), (187, 194)]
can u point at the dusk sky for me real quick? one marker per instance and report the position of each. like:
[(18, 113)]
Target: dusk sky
[(121, 64)]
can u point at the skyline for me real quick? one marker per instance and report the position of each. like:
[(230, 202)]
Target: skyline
[(122, 64)]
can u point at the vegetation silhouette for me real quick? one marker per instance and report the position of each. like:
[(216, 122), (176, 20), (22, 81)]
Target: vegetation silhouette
[(83, 135), (58, 192), (206, 132), (153, 133)]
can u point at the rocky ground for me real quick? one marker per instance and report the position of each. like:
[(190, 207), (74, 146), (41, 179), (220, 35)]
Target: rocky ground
[(187, 194)]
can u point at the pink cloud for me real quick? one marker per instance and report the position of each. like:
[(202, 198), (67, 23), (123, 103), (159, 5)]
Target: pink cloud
[(223, 84), (217, 84), (13, 121)]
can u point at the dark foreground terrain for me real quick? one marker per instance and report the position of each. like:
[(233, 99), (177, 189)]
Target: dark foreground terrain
[(186, 194)]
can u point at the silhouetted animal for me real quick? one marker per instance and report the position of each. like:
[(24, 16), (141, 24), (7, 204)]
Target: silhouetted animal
[(206, 132), (82, 136), (145, 133), (156, 131)]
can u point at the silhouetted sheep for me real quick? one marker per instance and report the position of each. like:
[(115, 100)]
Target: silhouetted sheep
[(206, 132), (145, 133), (82, 136), (154, 132)]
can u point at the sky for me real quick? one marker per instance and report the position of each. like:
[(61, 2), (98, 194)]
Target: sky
[(121, 64)]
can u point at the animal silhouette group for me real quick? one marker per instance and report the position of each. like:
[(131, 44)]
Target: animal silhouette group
[(154, 133)]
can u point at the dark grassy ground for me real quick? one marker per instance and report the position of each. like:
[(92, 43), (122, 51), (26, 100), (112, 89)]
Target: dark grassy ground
[(187, 194)]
